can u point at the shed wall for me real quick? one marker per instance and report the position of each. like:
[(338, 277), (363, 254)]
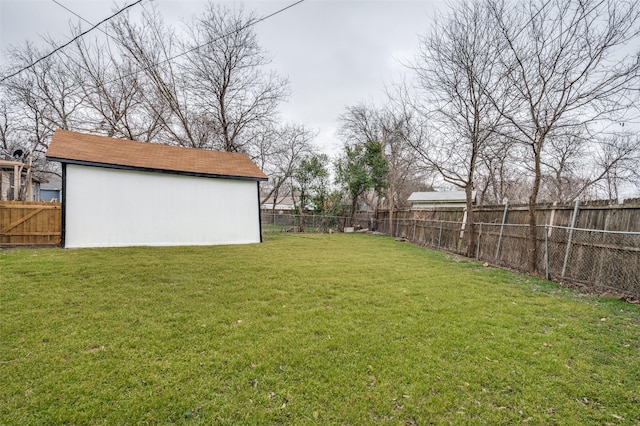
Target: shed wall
[(111, 208)]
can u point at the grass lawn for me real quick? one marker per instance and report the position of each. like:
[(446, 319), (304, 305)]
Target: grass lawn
[(304, 329)]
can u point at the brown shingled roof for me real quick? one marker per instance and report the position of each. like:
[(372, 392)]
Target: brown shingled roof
[(82, 148)]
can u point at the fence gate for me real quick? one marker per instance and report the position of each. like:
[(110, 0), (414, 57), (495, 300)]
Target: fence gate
[(30, 223)]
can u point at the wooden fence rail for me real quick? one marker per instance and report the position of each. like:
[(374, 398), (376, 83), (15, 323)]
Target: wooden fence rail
[(30, 223)]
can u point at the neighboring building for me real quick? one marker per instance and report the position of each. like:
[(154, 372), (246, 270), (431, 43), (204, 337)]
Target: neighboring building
[(431, 200), (16, 174), (365, 207), (51, 190), (284, 204), (126, 193)]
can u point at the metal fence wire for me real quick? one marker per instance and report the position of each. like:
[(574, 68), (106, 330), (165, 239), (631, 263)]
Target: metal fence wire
[(284, 222), (604, 258), (597, 258)]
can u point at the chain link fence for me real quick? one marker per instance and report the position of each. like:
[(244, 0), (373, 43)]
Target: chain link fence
[(603, 260), (284, 222)]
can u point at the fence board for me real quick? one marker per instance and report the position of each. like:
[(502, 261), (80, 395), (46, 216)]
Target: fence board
[(30, 223), (605, 252)]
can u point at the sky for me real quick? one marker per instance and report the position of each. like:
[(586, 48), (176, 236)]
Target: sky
[(334, 53)]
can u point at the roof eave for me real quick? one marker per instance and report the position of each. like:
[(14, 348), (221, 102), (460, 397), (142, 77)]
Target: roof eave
[(153, 170)]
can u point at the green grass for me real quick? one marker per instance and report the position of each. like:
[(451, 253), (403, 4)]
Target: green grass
[(304, 329)]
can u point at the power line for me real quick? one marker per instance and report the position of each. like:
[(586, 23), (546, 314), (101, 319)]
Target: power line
[(71, 12), (193, 49), (70, 41), (80, 17), (244, 27), (83, 19)]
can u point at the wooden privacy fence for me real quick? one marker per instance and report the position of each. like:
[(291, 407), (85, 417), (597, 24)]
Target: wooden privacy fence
[(598, 245), (30, 223)]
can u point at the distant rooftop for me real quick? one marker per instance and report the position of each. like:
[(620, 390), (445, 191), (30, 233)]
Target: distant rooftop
[(438, 199), (53, 184)]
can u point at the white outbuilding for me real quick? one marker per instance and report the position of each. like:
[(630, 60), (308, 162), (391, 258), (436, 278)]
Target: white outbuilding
[(126, 193)]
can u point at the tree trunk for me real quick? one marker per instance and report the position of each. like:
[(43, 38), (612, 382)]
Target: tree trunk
[(273, 206), (532, 239), (354, 205), (470, 229), (301, 201), (390, 209), (301, 221)]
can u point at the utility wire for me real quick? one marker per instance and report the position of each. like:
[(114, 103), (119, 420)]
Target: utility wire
[(248, 25), (85, 20), (79, 17), (193, 49), (72, 12), (69, 42), (164, 61)]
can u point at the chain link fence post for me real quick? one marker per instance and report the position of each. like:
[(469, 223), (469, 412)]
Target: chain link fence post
[(479, 241), (570, 240), (546, 252), (504, 218)]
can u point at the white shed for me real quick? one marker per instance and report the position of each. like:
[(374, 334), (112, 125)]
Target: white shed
[(431, 200), (126, 193)]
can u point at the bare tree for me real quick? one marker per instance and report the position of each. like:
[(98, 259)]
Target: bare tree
[(360, 123), (113, 89), (209, 88), (563, 61), (153, 47), (278, 151), (561, 167), (456, 70), (39, 100), (392, 126), (616, 160), (7, 124), (46, 92), (405, 172), (226, 71), (499, 177), (204, 87), (85, 87)]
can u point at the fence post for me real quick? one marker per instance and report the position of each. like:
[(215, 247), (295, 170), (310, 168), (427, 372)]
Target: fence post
[(440, 236), (504, 218), (413, 238), (570, 240), (478, 243), (462, 229), (546, 253)]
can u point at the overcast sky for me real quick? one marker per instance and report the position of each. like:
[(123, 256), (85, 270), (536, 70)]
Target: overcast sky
[(334, 53)]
